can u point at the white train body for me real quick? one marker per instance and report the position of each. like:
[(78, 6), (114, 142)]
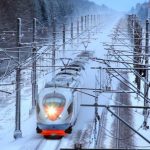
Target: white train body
[(58, 103)]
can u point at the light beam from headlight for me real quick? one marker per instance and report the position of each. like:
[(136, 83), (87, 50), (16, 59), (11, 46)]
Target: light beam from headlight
[(52, 112)]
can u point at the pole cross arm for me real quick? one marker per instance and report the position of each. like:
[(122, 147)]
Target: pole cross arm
[(5, 92), (114, 106), (25, 44)]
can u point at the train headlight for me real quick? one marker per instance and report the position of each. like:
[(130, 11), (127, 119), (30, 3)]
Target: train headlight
[(53, 113)]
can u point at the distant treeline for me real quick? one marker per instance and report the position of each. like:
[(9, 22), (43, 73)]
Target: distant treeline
[(44, 10), (142, 10)]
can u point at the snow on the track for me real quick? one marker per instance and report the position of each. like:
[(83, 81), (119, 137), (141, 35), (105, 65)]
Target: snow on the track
[(84, 125)]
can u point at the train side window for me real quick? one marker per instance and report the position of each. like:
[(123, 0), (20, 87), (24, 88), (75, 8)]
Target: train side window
[(70, 108)]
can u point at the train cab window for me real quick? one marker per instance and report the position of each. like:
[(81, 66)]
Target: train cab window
[(75, 69), (55, 101), (70, 108), (37, 108), (54, 106), (64, 73)]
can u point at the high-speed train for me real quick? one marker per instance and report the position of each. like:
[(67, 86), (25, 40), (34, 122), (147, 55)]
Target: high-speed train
[(58, 102)]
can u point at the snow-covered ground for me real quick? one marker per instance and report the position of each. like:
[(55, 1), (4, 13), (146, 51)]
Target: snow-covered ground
[(137, 114), (84, 125)]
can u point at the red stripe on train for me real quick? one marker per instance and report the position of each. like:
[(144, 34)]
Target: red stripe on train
[(53, 132)]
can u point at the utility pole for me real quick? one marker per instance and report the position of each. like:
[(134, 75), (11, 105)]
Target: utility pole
[(94, 20), (118, 125), (97, 117), (53, 45), (99, 19), (133, 18), (91, 20), (78, 31), (81, 23), (71, 33), (137, 49), (33, 78), (85, 21), (64, 37), (18, 133), (88, 21), (146, 87)]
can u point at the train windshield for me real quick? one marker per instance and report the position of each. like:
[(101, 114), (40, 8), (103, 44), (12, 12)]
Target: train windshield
[(54, 107)]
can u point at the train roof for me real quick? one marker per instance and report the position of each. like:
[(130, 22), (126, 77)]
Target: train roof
[(70, 75), (62, 81)]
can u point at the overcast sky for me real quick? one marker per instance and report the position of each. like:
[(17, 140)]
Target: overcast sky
[(123, 5)]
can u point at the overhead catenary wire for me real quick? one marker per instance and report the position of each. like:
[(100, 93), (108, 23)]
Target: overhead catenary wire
[(40, 54)]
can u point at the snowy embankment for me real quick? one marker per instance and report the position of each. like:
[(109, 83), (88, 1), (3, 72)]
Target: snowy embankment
[(126, 138), (83, 127)]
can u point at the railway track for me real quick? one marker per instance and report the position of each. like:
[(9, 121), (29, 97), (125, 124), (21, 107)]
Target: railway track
[(122, 132), (48, 145)]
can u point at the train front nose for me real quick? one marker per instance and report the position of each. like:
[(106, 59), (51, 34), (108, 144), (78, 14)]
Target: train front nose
[(54, 106)]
